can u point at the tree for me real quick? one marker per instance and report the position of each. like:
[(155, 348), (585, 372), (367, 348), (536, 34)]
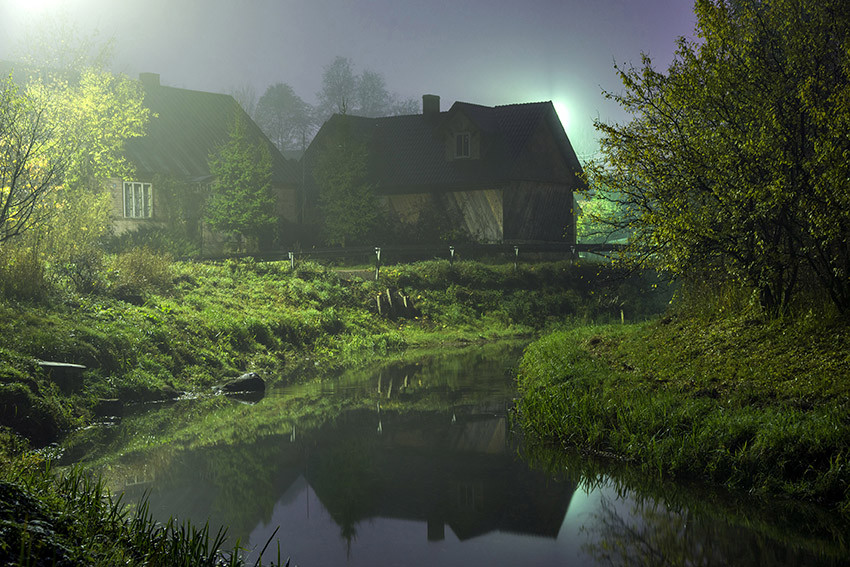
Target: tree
[(284, 117), (246, 96), (93, 115), (732, 168), (344, 92), (339, 88), (346, 198), (30, 165), (241, 198)]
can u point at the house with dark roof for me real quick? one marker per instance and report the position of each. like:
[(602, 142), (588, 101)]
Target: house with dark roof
[(171, 161), (496, 174)]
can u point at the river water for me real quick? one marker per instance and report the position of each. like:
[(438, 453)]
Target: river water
[(416, 463)]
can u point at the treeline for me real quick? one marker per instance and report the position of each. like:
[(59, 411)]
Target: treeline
[(290, 122)]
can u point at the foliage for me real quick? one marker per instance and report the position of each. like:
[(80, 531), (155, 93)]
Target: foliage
[(284, 117), (347, 199), (30, 165), (241, 198), (22, 274), (733, 168), (601, 219), (141, 270)]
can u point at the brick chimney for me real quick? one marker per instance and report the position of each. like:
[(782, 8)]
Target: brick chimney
[(430, 105), (149, 80)]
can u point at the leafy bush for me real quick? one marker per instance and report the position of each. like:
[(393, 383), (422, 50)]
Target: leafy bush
[(22, 274), (139, 271)]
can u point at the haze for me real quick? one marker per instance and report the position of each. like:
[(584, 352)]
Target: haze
[(485, 52)]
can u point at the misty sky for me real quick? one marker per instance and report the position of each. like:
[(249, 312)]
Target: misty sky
[(487, 52)]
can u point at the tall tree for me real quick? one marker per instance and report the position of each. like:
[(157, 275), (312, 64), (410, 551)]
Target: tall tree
[(241, 198), (339, 88), (30, 165), (344, 92), (346, 197), (732, 168), (284, 117), (246, 96)]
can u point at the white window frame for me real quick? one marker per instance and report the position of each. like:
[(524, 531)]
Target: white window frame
[(138, 200), (463, 141)]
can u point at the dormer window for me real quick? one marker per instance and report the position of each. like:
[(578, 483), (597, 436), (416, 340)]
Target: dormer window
[(462, 145)]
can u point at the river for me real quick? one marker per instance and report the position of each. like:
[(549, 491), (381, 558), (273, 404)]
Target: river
[(416, 463)]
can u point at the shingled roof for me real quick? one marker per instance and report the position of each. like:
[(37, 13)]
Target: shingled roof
[(186, 126), (408, 153)]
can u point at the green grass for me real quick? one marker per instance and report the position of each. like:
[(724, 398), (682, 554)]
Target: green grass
[(149, 327), (758, 406), (72, 519)]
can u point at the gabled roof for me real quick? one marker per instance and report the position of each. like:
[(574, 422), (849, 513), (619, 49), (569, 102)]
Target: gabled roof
[(408, 153), (186, 126)]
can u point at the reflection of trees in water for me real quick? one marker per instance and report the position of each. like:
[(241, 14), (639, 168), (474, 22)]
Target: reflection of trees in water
[(653, 535)]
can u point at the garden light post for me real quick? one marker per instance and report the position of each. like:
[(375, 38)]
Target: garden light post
[(516, 257), (377, 261), (451, 255)]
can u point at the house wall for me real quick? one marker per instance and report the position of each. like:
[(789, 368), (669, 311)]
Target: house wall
[(287, 203), (479, 212), (538, 211)]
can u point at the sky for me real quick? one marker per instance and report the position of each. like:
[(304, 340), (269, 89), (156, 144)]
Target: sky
[(487, 52)]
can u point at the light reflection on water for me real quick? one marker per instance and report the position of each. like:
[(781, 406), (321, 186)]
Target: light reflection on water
[(416, 464)]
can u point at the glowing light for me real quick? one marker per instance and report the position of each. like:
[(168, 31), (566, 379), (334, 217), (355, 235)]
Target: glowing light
[(563, 112)]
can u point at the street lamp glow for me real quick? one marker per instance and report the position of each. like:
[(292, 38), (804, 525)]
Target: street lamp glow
[(563, 112)]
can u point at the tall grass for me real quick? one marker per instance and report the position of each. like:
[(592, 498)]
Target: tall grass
[(72, 519)]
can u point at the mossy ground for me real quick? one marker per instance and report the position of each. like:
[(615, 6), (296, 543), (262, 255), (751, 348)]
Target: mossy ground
[(758, 405)]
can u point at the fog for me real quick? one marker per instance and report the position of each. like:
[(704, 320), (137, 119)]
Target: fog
[(486, 52)]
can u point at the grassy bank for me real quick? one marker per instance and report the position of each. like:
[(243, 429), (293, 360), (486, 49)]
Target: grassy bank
[(756, 405), (148, 329)]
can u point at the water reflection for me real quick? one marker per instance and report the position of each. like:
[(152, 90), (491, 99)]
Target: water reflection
[(415, 464)]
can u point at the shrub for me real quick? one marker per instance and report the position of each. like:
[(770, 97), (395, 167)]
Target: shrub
[(22, 274), (140, 271)]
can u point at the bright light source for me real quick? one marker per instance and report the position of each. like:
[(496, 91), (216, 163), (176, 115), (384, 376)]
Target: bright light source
[(563, 112)]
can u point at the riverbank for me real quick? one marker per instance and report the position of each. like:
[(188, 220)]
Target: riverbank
[(153, 330), (753, 404)]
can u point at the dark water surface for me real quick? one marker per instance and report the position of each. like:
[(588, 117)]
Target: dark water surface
[(415, 463)]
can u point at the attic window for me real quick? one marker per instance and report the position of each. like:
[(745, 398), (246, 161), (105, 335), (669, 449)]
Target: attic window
[(462, 145), (137, 200)]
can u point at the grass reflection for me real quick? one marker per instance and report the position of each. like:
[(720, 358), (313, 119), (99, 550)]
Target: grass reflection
[(646, 520)]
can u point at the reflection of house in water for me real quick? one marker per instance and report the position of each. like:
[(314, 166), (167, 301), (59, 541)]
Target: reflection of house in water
[(463, 474)]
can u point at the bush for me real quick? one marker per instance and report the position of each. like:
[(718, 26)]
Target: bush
[(22, 274), (140, 271)]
